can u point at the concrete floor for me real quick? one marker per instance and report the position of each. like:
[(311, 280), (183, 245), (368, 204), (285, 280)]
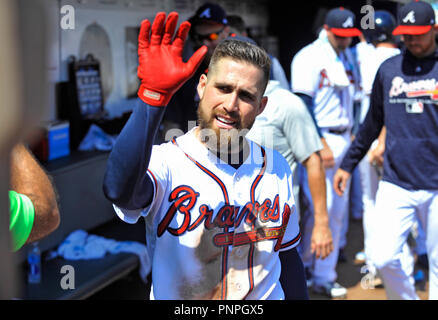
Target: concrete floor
[(349, 272)]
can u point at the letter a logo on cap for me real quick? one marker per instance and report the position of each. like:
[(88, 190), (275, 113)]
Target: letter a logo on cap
[(348, 23), (409, 17), (205, 14)]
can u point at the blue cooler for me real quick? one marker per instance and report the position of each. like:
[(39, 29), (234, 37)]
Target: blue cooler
[(58, 140)]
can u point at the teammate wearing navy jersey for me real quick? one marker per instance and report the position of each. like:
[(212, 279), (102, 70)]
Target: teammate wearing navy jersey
[(219, 209), (404, 99)]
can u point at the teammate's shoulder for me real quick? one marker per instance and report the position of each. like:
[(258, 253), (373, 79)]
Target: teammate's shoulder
[(280, 95), (307, 51), (392, 61), (275, 162), (296, 100), (276, 91), (292, 105)]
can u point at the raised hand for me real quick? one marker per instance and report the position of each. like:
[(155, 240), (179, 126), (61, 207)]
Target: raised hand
[(161, 68)]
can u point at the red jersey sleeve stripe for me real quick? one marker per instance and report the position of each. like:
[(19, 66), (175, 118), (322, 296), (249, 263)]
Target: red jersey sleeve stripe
[(154, 180), (291, 242)]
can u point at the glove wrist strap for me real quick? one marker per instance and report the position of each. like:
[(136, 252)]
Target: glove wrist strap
[(153, 97)]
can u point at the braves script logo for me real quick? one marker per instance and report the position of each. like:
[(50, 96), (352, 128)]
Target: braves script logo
[(183, 199), (427, 87)]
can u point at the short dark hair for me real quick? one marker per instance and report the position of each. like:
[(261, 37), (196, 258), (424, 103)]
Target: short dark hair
[(243, 51)]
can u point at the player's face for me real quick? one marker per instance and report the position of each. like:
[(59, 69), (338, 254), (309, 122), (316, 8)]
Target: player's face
[(420, 45), (231, 97), (338, 43)]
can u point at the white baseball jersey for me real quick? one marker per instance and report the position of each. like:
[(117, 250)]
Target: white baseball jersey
[(328, 78), (370, 58), (214, 232)]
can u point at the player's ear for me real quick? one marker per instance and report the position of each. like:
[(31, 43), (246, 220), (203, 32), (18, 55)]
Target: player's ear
[(262, 106), (201, 85)]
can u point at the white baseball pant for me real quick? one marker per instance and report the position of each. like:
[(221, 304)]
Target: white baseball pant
[(397, 210)]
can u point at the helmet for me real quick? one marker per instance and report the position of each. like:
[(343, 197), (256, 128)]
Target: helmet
[(384, 23)]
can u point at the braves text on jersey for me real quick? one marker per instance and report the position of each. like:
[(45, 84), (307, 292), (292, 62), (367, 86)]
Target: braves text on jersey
[(214, 232)]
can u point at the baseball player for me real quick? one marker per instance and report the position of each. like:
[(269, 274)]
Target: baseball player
[(403, 99), (220, 225), (324, 76)]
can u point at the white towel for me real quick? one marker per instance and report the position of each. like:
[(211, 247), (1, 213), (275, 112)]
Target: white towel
[(331, 61), (79, 245)]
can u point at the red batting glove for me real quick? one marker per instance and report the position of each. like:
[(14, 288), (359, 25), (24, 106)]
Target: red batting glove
[(161, 69)]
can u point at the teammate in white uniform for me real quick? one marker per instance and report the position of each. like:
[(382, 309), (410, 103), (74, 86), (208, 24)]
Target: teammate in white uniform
[(324, 72), (219, 209)]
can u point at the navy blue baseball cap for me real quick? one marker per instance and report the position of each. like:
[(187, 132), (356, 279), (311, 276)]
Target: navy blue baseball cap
[(384, 25), (210, 12), (341, 22), (416, 17)]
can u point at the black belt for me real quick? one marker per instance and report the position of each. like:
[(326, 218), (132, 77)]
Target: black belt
[(338, 131)]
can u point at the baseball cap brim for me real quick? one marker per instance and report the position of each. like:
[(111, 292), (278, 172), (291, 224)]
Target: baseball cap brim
[(346, 32), (413, 30)]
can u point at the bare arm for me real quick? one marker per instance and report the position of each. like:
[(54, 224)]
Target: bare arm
[(327, 156), (28, 178), (322, 243)]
